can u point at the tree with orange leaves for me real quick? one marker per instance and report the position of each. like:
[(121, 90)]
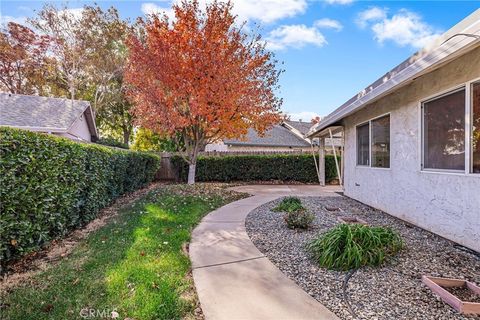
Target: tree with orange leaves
[(200, 78), (23, 59)]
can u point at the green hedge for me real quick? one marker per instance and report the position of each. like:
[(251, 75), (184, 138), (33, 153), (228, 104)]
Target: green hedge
[(51, 185), (288, 167)]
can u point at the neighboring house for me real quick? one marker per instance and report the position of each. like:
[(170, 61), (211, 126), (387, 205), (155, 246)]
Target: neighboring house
[(63, 117), (412, 138), (287, 136)]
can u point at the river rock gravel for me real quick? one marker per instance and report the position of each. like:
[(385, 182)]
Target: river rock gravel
[(393, 291)]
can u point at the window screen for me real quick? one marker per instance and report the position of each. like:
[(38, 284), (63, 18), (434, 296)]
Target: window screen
[(476, 127), (363, 144), (381, 142), (444, 132)]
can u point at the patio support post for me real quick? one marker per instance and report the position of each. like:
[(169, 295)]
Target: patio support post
[(321, 160), (335, 156), (342, 162)]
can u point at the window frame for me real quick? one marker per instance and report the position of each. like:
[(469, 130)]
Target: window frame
[(422, 131), (468, 167), (469, 137), (356, 145), (369, 122)]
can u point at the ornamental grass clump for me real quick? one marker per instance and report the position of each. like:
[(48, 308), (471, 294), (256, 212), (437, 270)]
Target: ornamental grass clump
[(351, 246), (289, 204)]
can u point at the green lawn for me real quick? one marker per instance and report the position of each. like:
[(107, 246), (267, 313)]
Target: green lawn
[(133, 265)]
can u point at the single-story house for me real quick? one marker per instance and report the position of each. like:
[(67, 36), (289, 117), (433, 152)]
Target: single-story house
[(286, 136), (63, 117), (412, 138)]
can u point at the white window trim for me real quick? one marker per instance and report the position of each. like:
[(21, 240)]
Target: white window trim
[(369, 122), (469, 105), (356, 144), (467, 86)]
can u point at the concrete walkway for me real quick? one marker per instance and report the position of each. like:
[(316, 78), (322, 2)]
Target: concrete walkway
[(234, 280)]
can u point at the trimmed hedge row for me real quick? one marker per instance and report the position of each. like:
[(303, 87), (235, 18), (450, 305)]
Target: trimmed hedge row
[(289, 167), (51, 185)]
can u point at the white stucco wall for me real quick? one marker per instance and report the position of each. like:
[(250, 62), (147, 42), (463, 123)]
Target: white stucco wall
[(79, 130), (265, 149), (445, 203), (221, 147)]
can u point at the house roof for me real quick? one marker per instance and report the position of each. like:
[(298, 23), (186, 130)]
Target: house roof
[(301, 126), (278, 136), (463, 37), (43, 113)]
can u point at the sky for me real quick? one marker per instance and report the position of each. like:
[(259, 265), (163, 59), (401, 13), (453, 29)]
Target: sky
[(330, 49)]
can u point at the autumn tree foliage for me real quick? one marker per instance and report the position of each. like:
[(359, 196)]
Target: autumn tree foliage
[(106, 35), (88, 54), (22, 59), (200, 78)]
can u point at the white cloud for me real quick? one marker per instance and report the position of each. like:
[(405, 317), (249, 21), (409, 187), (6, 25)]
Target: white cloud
[(339, 1), (266, 11), (305, 116), (328, 23), (25, 9), (75, 12), (4, 20), (150, 8), (371, 14), (405, 28), (294, 36)]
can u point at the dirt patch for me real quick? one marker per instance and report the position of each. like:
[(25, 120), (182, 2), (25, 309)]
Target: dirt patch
[(22, 270), (464, 294), (190, 295), (186, 249)]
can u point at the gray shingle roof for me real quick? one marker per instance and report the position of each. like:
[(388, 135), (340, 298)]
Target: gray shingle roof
[(57, 114), (301, 126), (278, 136)]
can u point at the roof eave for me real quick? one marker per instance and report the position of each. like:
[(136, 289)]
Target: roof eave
[(431, 59), (37, 129)]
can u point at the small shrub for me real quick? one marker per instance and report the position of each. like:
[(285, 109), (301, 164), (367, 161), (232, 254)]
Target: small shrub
[(300, 219), (351, 246), (289, 204)]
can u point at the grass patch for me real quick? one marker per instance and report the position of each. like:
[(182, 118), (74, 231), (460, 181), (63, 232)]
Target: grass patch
[(289, 204), (134, 265), (351, 246)]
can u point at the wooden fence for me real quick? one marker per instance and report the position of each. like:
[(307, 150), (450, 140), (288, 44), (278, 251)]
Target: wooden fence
[(167, 170)]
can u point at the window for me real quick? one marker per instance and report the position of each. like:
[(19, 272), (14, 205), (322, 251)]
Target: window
[(444, 132), (373, 142), (381, 142), (363, 145), (476, 127)]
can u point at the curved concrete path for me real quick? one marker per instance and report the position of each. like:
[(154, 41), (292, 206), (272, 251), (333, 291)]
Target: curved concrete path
[(234, 280)]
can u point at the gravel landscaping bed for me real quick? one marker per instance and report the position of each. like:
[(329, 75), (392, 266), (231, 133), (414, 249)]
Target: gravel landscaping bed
[(393, 291)]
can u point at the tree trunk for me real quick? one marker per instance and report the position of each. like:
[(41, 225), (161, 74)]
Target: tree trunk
[(191, 173), (126, 136)]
